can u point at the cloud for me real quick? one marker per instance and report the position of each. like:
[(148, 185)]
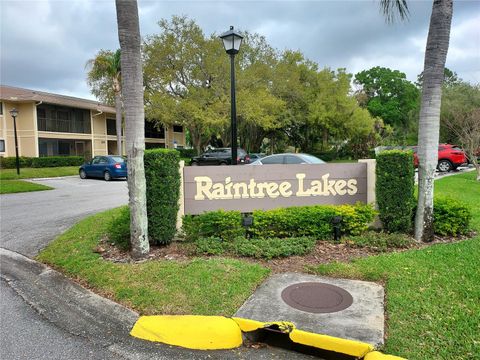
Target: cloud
[(45, 44)]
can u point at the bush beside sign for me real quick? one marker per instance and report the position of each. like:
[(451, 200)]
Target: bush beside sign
[(248, 188)]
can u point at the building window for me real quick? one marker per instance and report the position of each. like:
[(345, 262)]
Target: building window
[(63, 119), (154, 146), (151, 131), (1, 108), (178, 128), (54, 147), (2, 145), (111, 127)]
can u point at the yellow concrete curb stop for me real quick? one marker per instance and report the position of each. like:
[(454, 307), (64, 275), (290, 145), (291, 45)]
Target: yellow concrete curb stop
[(218, 332)]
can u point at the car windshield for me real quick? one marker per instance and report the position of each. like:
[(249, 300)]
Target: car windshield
[(312, 159), (118, 159)]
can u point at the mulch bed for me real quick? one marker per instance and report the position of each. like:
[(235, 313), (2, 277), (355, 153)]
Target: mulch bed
[(323, 253)]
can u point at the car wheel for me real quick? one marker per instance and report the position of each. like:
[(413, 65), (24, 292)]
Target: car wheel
[(223, 163), (444, 166), (194, 163), (83, 174), (107, 176)]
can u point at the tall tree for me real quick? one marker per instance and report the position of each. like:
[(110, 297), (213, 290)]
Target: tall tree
[(460, 118), (104, 78), (132, 89), (389, 95), (186, 78), (429, 122)]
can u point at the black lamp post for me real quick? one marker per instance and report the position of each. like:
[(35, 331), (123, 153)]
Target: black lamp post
[(14, 113), (232, 41)]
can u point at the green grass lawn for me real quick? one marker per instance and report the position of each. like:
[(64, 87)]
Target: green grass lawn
[(433, 295), (17, 186), (28, 173), (198, 286), (463, 187)]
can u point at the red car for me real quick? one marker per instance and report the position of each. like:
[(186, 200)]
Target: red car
[(449, 157)]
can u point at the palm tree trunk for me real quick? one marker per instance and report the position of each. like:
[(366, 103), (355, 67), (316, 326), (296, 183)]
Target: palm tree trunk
[(132, 88), (118, 121), (429, 123)]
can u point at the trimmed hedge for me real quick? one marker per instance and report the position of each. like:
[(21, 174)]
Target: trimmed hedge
[(41, 162), (226, 225), (311, 221), (187, 153), (450, 217), (163, 190), (9, 162), (395, 190)]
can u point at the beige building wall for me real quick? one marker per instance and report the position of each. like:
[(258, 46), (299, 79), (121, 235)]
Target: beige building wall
[(99, 133), (26, 129), (171, 137), (96, 143)]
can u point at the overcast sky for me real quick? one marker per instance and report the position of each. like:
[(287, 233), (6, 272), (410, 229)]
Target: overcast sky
[(45, 44)]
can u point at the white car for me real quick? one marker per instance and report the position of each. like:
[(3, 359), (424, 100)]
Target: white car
[(288, 158)]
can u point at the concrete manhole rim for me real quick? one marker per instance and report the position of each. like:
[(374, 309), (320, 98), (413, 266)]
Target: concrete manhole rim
[(317, 297)]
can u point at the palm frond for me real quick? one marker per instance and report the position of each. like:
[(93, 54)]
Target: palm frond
[(393, 8)]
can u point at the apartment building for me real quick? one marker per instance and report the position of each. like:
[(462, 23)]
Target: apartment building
[(55, 125)]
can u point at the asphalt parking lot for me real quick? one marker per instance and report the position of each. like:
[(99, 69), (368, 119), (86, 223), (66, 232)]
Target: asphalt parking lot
[(30, 220), (439, 175)]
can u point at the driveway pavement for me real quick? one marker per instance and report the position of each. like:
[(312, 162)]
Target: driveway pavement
[(29, 221), (439, 175)]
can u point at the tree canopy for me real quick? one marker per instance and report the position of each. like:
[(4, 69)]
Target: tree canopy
[(389, 95), (280, 95)]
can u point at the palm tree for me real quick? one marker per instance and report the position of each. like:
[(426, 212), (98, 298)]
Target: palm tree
[(105, 76), (132, 89), (429, 121)]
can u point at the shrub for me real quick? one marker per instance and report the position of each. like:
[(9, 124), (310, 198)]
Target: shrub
[(395, 189), (57, 161), (380, 240), (40, 162), (9, 162), (273, 247), (257, 248), (226, 225), (118, 230), (187, 153), (313, 221), (163, 190), (450, 217), (210, 246), (355, 219)]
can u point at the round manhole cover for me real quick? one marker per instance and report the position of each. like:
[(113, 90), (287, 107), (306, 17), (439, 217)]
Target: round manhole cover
[(316, 297)]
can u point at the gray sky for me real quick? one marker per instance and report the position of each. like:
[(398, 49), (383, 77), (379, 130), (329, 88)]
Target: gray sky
[(45, 44)]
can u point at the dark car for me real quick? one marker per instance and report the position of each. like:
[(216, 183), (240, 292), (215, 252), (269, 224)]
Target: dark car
[(106, 167), (288, 158), (220, 156)]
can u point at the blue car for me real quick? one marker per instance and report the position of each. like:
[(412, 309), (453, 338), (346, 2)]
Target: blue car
[(106, 167)]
